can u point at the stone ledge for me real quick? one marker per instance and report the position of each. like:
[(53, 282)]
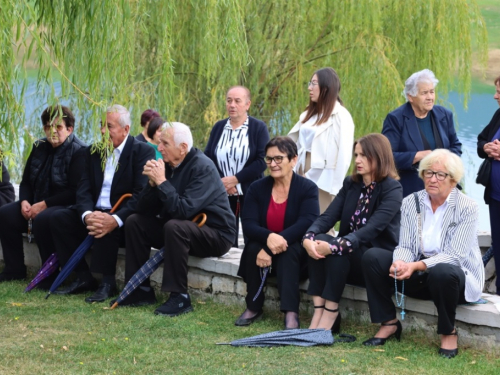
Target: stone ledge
[(479, 325)]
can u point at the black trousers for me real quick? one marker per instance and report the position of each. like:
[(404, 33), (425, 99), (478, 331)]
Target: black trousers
[(13, 225), (233, 203), (69, 232), (444, 284), (289, 267), (180, 238), (494, 207), (328, 276)]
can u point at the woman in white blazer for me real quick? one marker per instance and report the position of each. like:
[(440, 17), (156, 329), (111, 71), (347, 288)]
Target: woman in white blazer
[(324, 136), (438, 256)]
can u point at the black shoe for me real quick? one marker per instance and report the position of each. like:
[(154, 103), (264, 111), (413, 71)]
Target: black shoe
[(79, 286), (137, 298), (4, 276), (377, 341), (175, 305), (336, 325), (449, 353), (102, 293), (241, 322)]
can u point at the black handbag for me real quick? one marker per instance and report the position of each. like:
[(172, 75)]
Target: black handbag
[(483, 174)]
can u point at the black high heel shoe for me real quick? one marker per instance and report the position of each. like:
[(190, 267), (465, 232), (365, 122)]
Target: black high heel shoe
[(377, 341), (449, 353), (336, 325)]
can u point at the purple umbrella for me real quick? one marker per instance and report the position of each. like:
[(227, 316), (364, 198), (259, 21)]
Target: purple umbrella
[(149, 267), (79, 253), (47, 269)]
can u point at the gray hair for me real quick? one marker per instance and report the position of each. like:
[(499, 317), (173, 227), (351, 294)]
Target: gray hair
[(124, 118), (182, 133), (411, 84), (247, 91), (450, 161)]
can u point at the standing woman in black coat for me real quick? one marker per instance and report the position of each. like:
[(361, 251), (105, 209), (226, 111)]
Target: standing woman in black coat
[(7, 193), (488, 146), (368, 207), (236, 146), (49, 183)]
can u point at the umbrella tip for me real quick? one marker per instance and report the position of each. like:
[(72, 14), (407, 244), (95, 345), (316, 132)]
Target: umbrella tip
[(48, 295), (114, 305), (222, 343)]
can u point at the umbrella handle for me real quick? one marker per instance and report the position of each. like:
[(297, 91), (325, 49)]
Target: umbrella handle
[(114, 306), (202, 217), (117, 204)]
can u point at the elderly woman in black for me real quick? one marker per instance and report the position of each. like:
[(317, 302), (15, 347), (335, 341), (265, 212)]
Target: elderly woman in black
[(437, 257), (49, 183), (368, 209), (236, 146), (7, 193), (279, 209)]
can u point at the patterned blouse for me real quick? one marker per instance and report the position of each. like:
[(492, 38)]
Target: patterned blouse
[(339, 245), (232, 150)]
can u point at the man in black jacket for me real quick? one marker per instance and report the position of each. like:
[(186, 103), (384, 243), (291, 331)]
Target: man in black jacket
[(48, 185), (98, 191), (182, 185)]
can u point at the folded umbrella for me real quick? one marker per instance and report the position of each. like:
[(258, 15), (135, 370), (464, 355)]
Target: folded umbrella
[(79, 253), (149, 267), (47, 269)]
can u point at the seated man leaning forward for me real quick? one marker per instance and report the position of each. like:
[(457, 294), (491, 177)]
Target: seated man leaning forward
[(182, 185), (98, 191)]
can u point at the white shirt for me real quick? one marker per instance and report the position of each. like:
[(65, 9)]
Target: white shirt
[(232, 150), (432, 226), (103, 202)]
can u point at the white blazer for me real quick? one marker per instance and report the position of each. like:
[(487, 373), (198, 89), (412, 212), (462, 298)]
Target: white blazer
[(331, 147), (459, 244)]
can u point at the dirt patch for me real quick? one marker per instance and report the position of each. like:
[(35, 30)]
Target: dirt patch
[(492, 67)]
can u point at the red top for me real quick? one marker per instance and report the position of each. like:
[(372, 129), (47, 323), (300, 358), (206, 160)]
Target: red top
[(276, 216)]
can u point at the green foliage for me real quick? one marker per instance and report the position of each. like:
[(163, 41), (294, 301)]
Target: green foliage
[(180, 57)]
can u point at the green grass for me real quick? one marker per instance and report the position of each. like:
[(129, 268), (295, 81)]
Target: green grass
[(490, 10), (64, 335)]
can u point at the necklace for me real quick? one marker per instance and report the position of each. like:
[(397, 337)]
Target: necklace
[(401, 301)]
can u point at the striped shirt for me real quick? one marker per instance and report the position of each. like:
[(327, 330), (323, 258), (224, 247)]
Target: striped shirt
[(232, 151)]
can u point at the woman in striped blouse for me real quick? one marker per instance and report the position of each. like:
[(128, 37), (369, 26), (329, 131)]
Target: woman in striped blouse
[(438, 256)]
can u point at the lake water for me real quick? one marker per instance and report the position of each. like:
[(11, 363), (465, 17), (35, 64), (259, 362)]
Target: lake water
[(470, 123)]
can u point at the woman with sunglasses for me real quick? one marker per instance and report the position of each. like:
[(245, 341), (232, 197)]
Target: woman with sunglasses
[(278, 210), (324, 135), (437, 257)]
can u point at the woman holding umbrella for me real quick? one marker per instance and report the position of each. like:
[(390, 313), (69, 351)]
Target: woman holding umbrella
[(278, 210), (368, 207)]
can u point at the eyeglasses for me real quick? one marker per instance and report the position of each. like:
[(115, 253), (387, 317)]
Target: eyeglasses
[(277, 159), (312, 83), (441, 176)]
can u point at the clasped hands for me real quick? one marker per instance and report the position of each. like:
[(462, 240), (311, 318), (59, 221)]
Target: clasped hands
[(31, 211), (155, 170), (492, 149), (317, 249), (405, 270), (100, 223), (230, 183), (277, 244)]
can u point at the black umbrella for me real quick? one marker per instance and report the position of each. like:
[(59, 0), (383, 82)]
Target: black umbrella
[(296, 337), (149, 267), (79, 253)]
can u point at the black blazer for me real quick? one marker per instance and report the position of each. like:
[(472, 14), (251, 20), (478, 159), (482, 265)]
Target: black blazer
[(484, 137), (384, 215), (258, 137), (7, 194), (302, 209), (128, 178)]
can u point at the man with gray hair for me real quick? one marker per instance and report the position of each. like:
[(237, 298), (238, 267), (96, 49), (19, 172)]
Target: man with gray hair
[(182, 185), (419, 127), (98, 191)]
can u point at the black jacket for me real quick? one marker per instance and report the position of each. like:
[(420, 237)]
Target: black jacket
[(258, 137), (52, 174), (7, 193), (128, 178), (191, 188), (384, 215), (484, 137)]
